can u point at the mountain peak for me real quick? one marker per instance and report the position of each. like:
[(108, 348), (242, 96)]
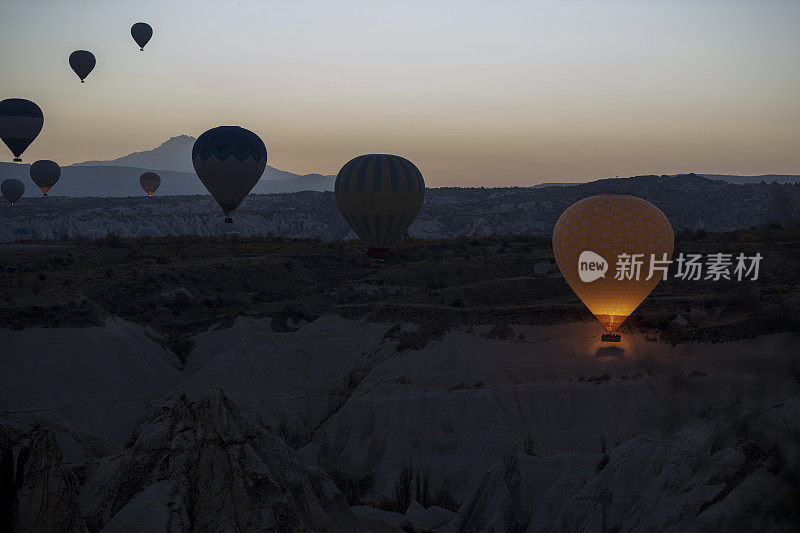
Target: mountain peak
[(178, 139), (175, 154)]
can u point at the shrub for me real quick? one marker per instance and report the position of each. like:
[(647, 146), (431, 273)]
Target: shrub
[(181, 300)]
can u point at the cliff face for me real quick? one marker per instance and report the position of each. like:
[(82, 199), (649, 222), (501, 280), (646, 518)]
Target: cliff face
[(37, 491), (190, 466), (739, 470), (204, 466)]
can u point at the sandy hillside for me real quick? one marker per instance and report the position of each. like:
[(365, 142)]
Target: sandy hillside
[(342, 391)]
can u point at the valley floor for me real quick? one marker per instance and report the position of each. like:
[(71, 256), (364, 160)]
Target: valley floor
[(548, 405), (207, 384)]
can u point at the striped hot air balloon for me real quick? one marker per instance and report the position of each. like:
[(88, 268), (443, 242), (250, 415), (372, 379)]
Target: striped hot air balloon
[(20, 123), (379, 195), (591, 234), (150, 181), (229, 161)]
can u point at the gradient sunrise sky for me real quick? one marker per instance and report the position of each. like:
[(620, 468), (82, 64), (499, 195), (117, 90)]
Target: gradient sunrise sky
[(475, 93)]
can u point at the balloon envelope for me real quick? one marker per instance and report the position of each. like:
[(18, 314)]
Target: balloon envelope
[(606, 226), (12, 189), (21, 234), (20, 122), (150, 182), (229, 161), (82, 63), (147, 231), (141, 33), (45, 174), (379, 195)]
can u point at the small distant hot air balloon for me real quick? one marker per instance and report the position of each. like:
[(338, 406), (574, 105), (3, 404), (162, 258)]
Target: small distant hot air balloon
[(21, 234), (20, 122), (379, 195), (229, 161), (12, 190), (587, 240), (150, 182), (82, 63), (45, 174), (141, 33), (146, 232)]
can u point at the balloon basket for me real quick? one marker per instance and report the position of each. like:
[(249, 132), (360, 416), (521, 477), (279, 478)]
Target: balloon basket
[(17, 160), (228, 220), (610, 337), (378, 254)]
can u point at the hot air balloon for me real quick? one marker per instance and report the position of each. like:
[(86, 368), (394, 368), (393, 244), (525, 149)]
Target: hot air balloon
[(147, 232), (20, 122), (82, 63), (588, 241), (150, 182), (12, 190), (229, 161), (141, 33), (21, 234), (379, 195), (45, 174)]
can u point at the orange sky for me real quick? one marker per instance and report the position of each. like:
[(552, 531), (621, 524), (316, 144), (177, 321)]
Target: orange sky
[(475, 93)]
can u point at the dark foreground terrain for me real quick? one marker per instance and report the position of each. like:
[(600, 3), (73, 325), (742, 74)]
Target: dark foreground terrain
[(181, 285), (208, 383)]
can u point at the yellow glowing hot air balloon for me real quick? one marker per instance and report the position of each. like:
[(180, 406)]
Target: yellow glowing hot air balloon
[(596, 235)]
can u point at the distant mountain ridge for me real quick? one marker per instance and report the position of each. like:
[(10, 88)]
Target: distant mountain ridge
[(763, 178), (728, 178), (174, 154), (172, 160)]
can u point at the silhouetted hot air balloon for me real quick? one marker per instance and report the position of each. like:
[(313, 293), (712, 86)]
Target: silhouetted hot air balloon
[(82, 63), (150, 182), (141, 33), (229, 161), (12, 190), (21, 234), (20, 122), (45, 174), (147, 232), (379, 195), (588, 239)]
